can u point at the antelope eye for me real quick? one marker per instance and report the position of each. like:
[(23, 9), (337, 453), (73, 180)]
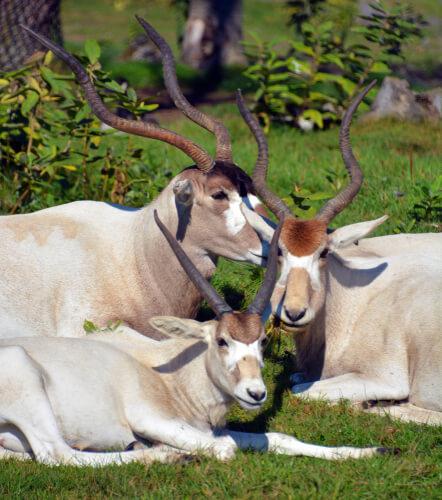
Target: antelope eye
[(324, 253), (221, 342), (219, 195)]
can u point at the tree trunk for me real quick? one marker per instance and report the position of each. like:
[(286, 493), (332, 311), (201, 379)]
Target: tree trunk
[(15, 45), (213, 34)]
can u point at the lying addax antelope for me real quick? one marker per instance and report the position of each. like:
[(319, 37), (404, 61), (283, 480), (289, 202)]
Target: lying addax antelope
[(91, 260), (174, 392), (368, 318)]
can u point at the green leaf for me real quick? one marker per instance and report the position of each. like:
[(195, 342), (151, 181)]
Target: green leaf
[(89, 326), (131, 94), (30, 102), (315, 116), (380, 67), (115, 86), (82, 113), (319, 96), (334, 59), (92, 50), (290, 96), (305, 49), (148, 107)]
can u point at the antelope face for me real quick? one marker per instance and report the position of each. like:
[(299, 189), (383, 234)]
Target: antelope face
[(210, 208), (303, 245), (234, 355), (306, 247)]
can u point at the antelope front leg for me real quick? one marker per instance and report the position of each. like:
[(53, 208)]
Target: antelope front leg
[(352, 386), (183, 436), (282, 444)]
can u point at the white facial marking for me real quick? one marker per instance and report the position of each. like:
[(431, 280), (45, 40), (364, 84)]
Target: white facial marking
[(308, 262), (235, 219), (238, 350), (253, 200)]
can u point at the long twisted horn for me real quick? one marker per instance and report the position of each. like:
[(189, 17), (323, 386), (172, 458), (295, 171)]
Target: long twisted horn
[(196, 153), (336, 205), (275, 204), (265, 292), (223, 144), (217, 303)]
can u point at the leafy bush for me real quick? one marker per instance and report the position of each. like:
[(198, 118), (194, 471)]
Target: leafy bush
[(54, 150), (312, 83)]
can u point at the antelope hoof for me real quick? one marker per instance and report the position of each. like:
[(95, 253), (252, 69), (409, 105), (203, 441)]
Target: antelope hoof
[(224, 452), (389, 451)]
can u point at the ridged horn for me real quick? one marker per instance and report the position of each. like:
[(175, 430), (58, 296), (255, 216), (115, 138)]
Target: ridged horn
[(337, 204), (223, 143), (273, 202), (265, 292)]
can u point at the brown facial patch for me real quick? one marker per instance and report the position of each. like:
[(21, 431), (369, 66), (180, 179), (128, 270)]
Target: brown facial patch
[(243, 327), (302, 237)]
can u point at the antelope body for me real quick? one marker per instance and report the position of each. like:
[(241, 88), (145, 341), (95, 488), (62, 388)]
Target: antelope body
[(175, 392), (89, 260), (368, 318), (376, 332)]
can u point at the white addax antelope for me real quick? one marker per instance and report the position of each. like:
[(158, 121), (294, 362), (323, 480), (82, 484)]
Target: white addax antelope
[(368, 317), (174, 392), (91, 260)]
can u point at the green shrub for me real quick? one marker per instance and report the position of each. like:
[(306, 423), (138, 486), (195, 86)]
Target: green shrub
[(54, 150), (312, 82)]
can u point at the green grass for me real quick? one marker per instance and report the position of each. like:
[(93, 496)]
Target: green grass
[(296, 158)]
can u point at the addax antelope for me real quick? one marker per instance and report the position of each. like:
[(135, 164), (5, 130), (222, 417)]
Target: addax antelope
[(173, 392), (90, 260), (369, 317)]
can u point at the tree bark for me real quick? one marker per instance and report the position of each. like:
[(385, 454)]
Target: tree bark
[(213, 34), (15, 45)]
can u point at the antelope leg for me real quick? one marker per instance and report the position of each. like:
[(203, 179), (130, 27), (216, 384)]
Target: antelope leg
[(353, 386), (181, 435), (282, 444)]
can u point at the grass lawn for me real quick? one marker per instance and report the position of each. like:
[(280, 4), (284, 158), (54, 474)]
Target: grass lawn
[(384, 151)]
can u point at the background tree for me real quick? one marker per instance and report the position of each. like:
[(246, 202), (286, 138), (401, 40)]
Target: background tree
[(15, 45), (212, 33)]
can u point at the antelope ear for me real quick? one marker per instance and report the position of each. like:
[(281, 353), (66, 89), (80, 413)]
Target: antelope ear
[(346, 235), (184, 328), (263, 226), (183, 191)]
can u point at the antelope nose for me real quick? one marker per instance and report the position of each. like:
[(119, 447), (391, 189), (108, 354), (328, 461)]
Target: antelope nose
[(257, 395), (294, 316)]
